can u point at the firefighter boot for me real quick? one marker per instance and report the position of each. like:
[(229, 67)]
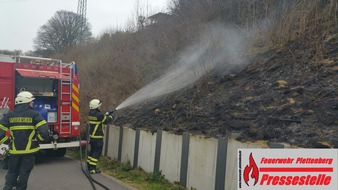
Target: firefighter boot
[(89, 167), (95, 171)]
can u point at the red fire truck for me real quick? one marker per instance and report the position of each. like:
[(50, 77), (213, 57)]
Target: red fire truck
[(55, 87)]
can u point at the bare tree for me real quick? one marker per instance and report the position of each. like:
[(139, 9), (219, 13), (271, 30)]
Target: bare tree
[(63, 31)]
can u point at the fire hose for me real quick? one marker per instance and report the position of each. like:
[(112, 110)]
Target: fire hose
[(85, 170)]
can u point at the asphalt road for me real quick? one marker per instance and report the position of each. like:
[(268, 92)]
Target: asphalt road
[(64, 174)]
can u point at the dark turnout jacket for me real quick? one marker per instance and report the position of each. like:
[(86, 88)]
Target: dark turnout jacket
[(26, 127), (97, 120)]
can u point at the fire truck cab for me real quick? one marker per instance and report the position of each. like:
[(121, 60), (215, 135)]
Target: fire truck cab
[(55, 87)]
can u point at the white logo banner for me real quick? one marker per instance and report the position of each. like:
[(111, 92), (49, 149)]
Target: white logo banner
[(287, 169)]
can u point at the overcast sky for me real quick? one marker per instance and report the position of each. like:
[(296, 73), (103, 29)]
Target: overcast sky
[(21, 19)]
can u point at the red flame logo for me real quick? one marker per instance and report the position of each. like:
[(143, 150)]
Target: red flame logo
[(255, 173)]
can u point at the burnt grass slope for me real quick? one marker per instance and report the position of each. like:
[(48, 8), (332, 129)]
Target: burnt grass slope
[(290, 96)]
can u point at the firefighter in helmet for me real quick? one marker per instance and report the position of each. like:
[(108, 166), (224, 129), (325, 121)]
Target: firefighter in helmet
[(26, 127), (97, 120)]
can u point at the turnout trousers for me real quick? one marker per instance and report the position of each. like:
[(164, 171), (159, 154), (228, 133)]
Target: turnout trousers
[(19, 169), (5, 163), (96, 146)]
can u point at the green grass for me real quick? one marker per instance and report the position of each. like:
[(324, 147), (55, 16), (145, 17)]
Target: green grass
[(75, 153), (134, 177)]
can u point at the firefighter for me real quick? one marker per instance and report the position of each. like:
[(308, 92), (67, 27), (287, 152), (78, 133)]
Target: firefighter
[(26, 127), (97, 120)]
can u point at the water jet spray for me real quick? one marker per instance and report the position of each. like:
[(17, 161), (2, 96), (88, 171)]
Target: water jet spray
[(219, 50)]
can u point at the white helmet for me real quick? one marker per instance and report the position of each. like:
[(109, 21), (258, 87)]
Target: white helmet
[(24, 97), (94, 103)]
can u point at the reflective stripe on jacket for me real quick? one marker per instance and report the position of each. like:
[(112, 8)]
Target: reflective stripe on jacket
[(26, 127), (97, 120)]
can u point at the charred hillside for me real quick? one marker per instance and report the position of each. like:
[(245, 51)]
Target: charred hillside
[(288, 95), (284, 88)]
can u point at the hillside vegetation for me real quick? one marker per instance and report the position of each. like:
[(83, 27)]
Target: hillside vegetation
[(260, 70)]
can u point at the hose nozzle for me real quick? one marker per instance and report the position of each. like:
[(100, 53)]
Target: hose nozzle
[(111, 112)]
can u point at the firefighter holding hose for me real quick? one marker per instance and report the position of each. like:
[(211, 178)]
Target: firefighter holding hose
[(97, 121)]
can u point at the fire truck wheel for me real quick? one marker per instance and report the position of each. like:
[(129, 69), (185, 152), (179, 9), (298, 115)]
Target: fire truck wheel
[(60, 152), (56, 153)]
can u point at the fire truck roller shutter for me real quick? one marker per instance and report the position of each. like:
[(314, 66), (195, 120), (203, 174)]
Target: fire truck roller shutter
[(40, 74)]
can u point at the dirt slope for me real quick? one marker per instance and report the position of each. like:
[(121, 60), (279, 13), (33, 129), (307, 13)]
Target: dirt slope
[(288, 96)]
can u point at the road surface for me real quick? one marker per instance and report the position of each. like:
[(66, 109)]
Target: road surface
[(64, 174)]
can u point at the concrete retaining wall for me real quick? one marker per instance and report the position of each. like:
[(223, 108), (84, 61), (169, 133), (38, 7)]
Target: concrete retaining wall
[(128, 144), (170, 159), (194, 162), (112, 142), (146, 153), (202, 163)]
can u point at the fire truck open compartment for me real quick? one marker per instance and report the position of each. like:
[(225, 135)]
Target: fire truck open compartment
[(45, 91)]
